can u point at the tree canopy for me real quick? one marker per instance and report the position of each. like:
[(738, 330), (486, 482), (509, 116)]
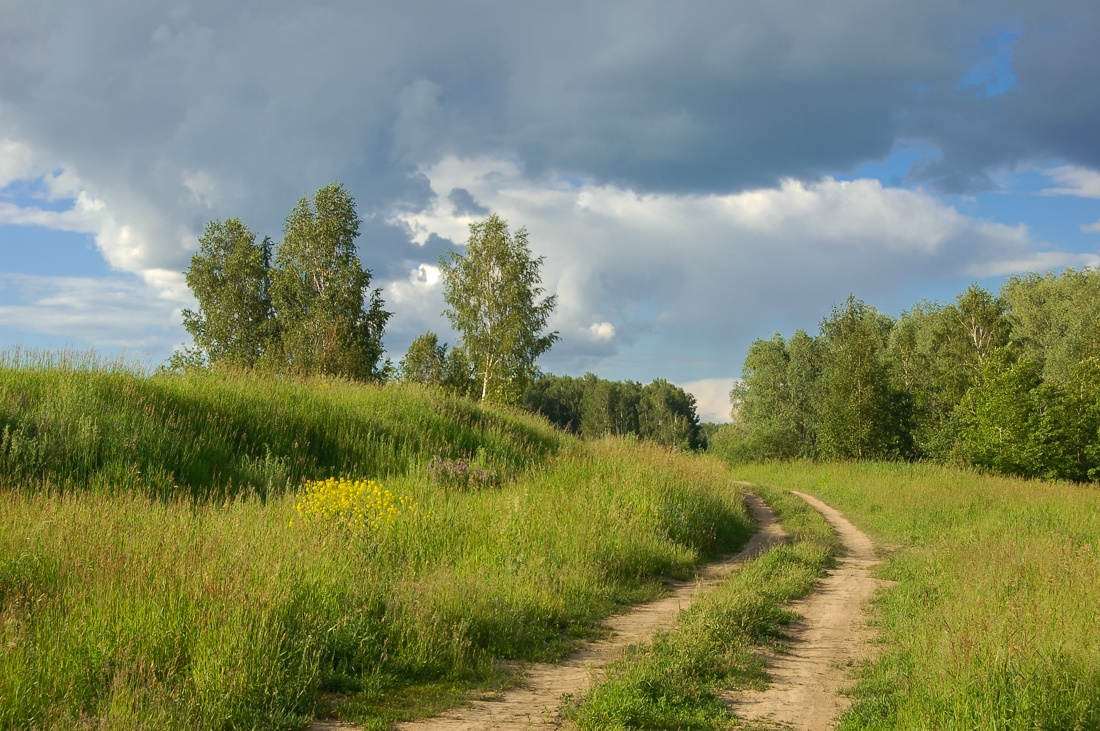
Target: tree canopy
[(303, 306), (1008, 383), (492, 293)]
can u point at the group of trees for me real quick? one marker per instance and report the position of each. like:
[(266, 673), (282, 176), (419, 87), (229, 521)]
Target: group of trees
[(306, 305), (594, 407), (1009, 383)]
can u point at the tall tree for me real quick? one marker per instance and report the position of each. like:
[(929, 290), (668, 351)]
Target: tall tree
[(330, 319), (492, 292), (666, 415), (429, 363), (230, 278), (862, 417)]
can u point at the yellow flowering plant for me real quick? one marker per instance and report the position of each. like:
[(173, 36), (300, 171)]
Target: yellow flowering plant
[(352, 504)]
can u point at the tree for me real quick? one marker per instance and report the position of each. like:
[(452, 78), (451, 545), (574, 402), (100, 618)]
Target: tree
[(558, 398), (431, 364), (861, 415), (492, 295), (230, 278), (666, 415), (424, 362), (331, 321)]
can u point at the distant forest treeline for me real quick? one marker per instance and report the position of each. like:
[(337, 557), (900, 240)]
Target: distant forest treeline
[(594, 407), (1008, 383)]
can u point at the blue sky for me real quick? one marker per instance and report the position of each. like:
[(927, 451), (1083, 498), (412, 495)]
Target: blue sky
[(695, 176)]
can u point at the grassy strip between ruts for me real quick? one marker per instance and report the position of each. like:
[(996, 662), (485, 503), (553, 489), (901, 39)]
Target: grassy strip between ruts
[(995, 622), (672, 683)]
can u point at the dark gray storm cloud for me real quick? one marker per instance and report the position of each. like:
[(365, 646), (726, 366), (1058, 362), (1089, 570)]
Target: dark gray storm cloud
[(277, 98)]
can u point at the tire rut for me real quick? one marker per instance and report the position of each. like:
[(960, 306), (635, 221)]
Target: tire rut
[(832, 636), (535, 704)]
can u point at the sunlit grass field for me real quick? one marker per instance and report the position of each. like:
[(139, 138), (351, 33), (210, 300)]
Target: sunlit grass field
[(141, 589), (995, 623)]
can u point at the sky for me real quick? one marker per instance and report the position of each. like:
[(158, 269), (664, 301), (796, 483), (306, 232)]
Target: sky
[(695, 175)]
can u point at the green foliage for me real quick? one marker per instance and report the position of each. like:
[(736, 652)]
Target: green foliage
[(1055, 318), (331, 321), (861, 416), (230, 276), (995, 620), (492, 296), (431, 364), (594, 407), (309, 312), (1018, 424), (1003, 383)]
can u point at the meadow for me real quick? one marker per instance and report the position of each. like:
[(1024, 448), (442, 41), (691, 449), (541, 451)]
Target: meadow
[(995, 622), (160, 566)]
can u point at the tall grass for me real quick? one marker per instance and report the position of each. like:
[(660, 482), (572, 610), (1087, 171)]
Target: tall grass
[(72, 422), (117, 611), (996, 620)]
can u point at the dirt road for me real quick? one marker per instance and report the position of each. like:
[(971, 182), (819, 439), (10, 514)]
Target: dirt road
[(803, 695), (831, 637), (535, 704)]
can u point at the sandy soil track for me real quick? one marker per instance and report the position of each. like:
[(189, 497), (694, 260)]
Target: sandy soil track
[(831, 637), (534, 705)]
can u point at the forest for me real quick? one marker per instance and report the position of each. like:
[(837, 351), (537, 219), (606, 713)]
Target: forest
[(1008, 383)]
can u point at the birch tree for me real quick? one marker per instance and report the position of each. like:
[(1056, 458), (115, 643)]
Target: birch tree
[(492, 292)]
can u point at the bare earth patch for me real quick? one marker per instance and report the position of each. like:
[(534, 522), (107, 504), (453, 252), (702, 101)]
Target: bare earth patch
[(535, 704), (831, 637)]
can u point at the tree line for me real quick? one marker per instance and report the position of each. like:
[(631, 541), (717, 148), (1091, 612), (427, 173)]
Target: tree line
[(1008, 383), (305, 306)]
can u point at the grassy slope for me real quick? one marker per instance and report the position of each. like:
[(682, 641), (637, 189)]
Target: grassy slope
[(109, 429), (996, 621), (233, 612)]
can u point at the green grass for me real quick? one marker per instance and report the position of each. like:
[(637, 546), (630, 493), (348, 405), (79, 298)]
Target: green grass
[(996, 620), (673, 682), (73, 422), (218, 607)]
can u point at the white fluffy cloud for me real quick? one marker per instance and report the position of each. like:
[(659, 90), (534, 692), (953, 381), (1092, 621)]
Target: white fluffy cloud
[(114, 312), (1074, 180), (712, 398), (673, 269)]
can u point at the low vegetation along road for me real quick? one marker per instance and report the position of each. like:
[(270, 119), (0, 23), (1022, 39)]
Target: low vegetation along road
[(803, 694)]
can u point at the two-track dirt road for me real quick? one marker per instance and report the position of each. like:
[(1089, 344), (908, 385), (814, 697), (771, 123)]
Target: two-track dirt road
[(803, 694)]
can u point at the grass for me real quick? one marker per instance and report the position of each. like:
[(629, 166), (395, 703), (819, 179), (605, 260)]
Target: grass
[(674, 682), (170, 600), (996, 620), (73, 422)]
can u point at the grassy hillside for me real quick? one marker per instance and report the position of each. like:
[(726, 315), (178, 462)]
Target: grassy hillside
[(996, 620), (71, 422), (126, 603)]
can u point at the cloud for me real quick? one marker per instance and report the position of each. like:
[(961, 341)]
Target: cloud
[(672, 274), (108, 313), (712, 398), (674, 169), (1075, 181)]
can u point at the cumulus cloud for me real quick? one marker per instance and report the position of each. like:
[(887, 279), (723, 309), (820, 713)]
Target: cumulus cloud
[(712, 398), (114, 312), (1075, 181), (699, 273)]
